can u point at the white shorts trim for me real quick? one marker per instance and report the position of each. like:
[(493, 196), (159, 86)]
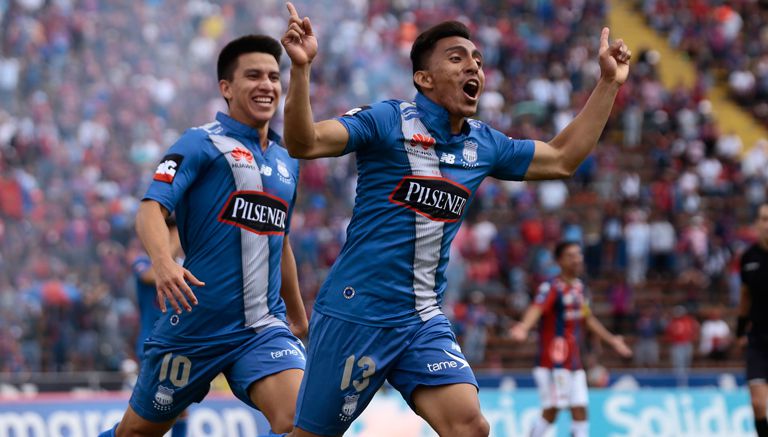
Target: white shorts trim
[(561, 388)]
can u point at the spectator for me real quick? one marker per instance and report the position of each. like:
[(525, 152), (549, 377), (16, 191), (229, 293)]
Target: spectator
[(715, 336), (681, 333)]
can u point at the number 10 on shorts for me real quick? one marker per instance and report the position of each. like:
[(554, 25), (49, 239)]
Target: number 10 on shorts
[(180, 368), (369, 368)]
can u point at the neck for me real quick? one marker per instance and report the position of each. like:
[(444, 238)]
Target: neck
[(263, 135), (457, 122), (763, 243), (568, 277)]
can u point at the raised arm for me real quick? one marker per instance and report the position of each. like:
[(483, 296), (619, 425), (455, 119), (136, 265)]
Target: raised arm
[(560, 157), (289, 291), (520, 331), (303, 137)]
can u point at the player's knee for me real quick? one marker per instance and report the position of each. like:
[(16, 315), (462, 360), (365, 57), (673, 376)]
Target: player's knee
[(282, 422), (473, 425), (759, 405)]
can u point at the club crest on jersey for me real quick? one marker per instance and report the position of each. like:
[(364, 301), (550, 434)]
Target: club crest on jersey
[(163, 398), (166, 170), (255, 211), (425, 141), (469, 153), (282, 170), (349, 407), (435, 198), (241, 153)]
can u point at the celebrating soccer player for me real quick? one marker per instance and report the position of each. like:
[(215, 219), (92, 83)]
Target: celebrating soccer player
[(377, 316), (564, 312), (752, 328), (232, 185)]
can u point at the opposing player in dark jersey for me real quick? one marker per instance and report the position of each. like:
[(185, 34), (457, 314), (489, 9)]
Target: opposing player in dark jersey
[(752, 327), (149, 308), (378, 316), (232, 186), (562, 311)]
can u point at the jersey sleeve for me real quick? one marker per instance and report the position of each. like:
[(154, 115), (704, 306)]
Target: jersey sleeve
[(513, 157), (179, 168), (368, 126), (545, 297)]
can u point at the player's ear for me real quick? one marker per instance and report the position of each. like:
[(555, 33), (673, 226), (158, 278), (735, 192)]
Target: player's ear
[(423, 79), (225, 89)]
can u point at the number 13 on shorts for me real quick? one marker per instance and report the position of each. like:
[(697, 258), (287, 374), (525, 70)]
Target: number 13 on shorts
[(366, 364)]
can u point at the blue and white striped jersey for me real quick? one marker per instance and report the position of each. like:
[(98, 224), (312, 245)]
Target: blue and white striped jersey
[(233, 204), (415, 183)]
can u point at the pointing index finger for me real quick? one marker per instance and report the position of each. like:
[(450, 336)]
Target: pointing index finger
[(292, 10), (604, 38)]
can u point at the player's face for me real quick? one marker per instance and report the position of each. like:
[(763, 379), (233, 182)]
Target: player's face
[(762, 223), (572, 261), (254, 91), (457, 76)]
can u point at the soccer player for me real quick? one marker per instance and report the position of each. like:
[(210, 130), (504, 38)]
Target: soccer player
[(752, 327), (378, 316), (232, 186), (149, 308), (564, 313)]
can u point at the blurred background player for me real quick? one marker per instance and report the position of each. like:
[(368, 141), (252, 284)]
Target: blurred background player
[(563, 309), (378, 315), (149, 308), (752, 327), (232, 186)]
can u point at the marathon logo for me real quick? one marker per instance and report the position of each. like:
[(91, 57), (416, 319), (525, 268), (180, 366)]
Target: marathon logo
[(167, 168), (256, 211), (435, 198)]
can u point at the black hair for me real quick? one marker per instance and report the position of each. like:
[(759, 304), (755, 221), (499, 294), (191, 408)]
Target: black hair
[(425, 43), (227, 63), (562, 247)]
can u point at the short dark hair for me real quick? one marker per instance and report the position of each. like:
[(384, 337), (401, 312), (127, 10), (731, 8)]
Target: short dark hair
[(227, 63), (425, 43), (562, 247)]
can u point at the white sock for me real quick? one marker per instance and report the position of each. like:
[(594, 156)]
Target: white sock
[(540, 427), (580, 428)]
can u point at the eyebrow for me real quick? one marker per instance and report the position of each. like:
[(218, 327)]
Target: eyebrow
[(475, 52), (259, 70)]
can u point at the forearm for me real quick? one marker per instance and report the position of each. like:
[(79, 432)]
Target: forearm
[(599, 330), (299, 129), (289, 289), (580, 137), (530, 317), (153, 232)]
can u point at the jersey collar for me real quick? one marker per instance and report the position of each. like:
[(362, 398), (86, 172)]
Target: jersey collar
[(438, 119), (244, 130)]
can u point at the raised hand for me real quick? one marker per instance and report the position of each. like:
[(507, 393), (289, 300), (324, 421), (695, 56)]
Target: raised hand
[(621, 347), (614, 59), (299, 39)]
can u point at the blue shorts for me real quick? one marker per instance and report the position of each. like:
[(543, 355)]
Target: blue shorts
[(347, 363), (174, 376)]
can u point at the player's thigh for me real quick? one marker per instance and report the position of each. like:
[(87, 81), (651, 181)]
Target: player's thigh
[(133, 425), (267, 373), (173, 377), (451, 410), (579, 392), (434, 377), (346, 364), (554, 386), (275, 396)]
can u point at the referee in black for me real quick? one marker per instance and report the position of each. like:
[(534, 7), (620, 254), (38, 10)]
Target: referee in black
[(753, 319)]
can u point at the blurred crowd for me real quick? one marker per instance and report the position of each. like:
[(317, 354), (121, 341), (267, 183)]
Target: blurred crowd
[(726, 38), (92, 93)]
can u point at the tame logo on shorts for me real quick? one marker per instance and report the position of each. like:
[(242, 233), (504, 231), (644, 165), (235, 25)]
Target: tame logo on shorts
[(255, 211), (443, 365), (291, 351), (435, 198), (163, 398)]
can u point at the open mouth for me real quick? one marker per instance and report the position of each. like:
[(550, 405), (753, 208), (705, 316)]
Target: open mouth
[(471, 88), (263, 100)]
